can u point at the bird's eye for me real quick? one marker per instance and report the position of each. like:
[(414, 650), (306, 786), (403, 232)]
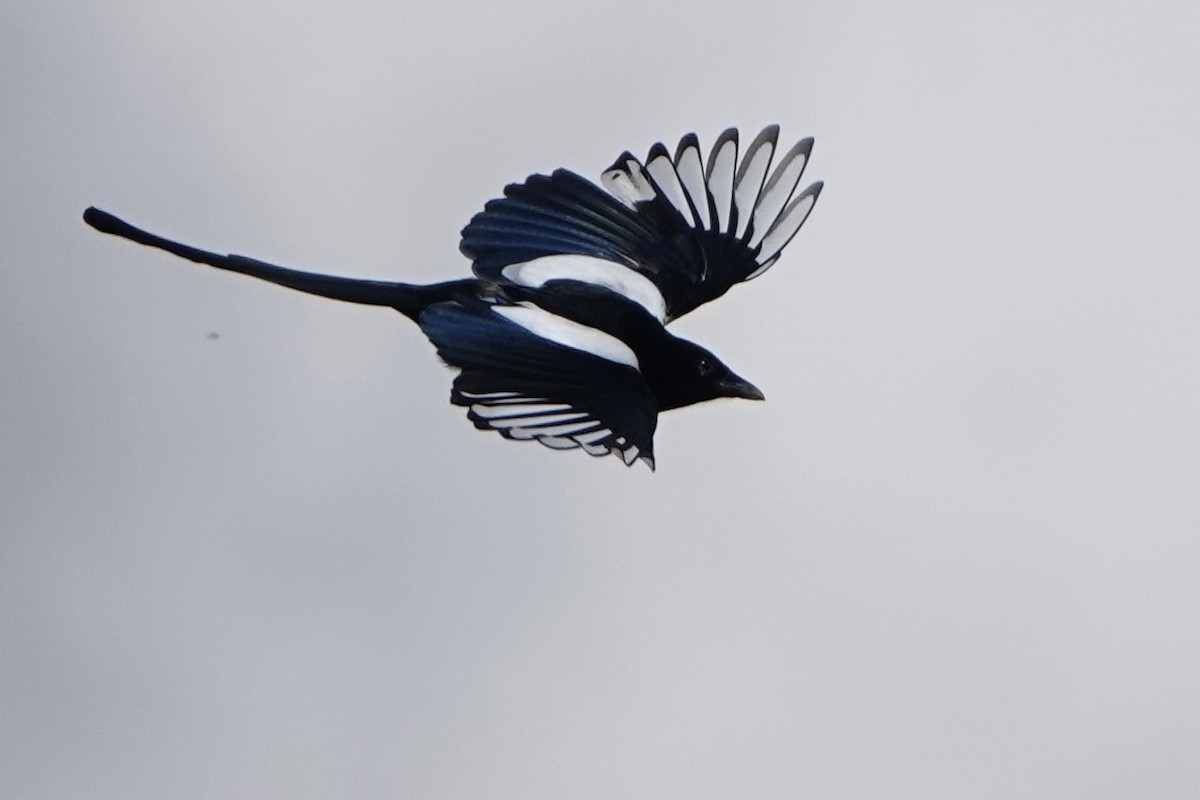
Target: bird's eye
[(705, 366)]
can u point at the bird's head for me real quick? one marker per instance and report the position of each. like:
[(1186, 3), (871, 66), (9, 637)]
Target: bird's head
[(697, 375)]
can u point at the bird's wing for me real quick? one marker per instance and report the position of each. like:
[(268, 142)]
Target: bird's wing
[(530, 375), (670, 233)]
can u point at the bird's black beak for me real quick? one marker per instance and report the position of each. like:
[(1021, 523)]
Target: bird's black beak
[(739, 387)]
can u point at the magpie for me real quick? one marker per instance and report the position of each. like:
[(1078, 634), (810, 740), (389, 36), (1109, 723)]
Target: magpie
[(560, 337)]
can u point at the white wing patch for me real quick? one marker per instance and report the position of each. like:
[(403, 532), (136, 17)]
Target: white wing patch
[(556, 425), (779, 188), (738, 199), (691, 174), (751, 175), (629, 183), (721, 163), (589, 269), (787, 224), (663, 172), (569, 333)]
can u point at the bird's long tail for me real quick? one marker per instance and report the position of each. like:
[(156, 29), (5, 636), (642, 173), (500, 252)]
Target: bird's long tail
[(406, 298)]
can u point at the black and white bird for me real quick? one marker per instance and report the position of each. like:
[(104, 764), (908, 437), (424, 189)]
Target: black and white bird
[(561, 335)]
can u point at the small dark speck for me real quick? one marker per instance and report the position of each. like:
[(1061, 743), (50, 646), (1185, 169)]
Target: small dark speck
[(213, 336)]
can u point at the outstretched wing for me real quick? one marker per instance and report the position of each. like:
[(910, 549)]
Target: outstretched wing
[(670, 234), (530, 375)]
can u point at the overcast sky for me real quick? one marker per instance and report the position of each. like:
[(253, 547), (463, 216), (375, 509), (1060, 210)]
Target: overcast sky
[(249, 549)]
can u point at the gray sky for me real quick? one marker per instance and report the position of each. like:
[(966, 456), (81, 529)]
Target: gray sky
[(955, 555)]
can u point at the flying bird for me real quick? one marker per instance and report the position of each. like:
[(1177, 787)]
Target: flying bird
[(560, 337)]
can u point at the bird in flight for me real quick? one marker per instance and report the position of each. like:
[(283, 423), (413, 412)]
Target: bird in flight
[(560, 337)]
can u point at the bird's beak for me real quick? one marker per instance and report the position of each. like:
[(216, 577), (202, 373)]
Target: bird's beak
[(738, 387)]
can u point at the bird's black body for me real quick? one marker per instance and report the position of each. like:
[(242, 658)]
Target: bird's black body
[(560, 336)]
